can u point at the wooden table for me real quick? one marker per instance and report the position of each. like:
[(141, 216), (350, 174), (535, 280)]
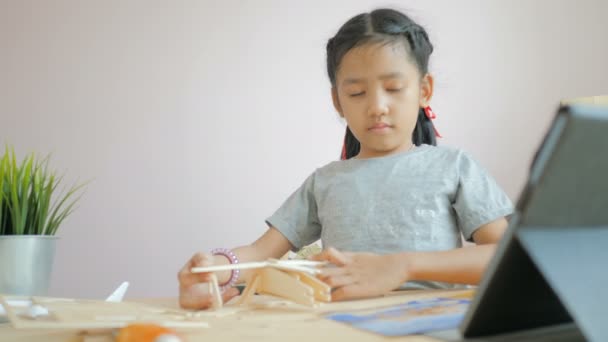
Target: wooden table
[(266, 319)]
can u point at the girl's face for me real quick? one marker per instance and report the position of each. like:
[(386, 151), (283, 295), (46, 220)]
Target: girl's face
[(379, 91)]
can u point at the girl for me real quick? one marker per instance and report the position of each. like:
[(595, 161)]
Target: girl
[(393, 210)]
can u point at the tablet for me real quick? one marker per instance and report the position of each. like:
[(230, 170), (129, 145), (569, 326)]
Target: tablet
[(551, 267)]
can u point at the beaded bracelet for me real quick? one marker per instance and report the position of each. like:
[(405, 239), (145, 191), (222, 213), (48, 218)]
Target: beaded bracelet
[(234, 276)]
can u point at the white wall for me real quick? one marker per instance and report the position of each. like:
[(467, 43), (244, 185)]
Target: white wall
[(197, 118)]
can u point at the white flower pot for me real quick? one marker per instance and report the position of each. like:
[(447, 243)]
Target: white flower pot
[(26, 262)]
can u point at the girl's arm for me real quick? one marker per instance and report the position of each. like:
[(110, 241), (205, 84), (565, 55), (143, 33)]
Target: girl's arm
[(461, 266), (272, 244), (367, 274)]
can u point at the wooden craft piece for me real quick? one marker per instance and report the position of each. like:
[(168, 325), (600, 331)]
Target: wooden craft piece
[(250, 289), (290, 279), (216, 294), (282, 284)]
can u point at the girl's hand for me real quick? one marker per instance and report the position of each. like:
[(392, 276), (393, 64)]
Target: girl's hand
[(360, 275), (194, 287)]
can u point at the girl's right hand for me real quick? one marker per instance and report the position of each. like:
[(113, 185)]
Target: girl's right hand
[(194, 287)]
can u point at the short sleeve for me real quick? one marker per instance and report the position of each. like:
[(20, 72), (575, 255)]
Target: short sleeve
[(297, 218), (479, 199)]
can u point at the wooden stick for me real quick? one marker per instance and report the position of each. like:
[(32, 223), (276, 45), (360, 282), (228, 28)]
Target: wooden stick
[(215, 292), (296, 268), (322, 291), (229, 267), (12, 316), (296, 265), (299, 262), (250, 289)]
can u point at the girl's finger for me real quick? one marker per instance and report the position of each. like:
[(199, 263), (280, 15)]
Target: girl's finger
[(333, 256), (338, 281), (348, 255), (352, 291), (187, 278), (195, 302), (332, 272), (201, 260)]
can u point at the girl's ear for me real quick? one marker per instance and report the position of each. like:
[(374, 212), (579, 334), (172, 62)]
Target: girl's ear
[(426, 90), (334, 97)]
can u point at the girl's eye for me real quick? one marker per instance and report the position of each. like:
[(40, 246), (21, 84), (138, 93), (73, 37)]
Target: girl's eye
[(393, 90), (357, 94)]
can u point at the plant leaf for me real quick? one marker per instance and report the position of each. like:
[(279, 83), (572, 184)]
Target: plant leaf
[(58, 216)]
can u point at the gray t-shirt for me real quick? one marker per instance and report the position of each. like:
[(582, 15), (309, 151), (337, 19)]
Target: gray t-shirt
[(420, 200)]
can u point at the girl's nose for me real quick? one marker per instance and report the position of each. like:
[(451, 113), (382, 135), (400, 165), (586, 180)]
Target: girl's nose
[(377, 105)]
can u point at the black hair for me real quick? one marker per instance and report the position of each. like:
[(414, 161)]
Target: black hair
[(382, 26)]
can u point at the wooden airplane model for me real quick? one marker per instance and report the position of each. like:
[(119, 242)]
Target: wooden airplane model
[(290, 279)]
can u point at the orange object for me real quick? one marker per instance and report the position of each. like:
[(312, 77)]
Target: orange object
[(146, 333)]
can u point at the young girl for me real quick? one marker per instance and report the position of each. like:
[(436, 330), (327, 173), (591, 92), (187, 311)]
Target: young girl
[(392, 212)]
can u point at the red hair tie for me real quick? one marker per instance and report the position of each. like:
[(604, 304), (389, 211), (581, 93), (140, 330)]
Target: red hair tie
[(432, 116)]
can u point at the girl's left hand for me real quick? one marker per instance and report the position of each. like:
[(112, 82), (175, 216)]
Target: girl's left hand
[(361, 275)]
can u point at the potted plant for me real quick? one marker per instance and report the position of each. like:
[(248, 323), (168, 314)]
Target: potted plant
[(31, 210)]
